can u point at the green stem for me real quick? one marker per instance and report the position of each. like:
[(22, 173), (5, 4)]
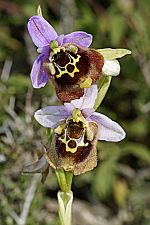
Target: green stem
[(59, 181), (64, 179), (61, 176), (69, 177)]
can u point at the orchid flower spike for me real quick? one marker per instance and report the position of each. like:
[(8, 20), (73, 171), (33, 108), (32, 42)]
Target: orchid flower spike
[(77, 128)]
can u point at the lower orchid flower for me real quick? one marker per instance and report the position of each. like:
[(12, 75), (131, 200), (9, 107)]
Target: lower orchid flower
[(76, 130), (67, 60)]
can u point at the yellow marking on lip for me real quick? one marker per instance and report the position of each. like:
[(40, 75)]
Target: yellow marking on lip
[(72, 150), (61, 73), (60, 128), (79, 142)]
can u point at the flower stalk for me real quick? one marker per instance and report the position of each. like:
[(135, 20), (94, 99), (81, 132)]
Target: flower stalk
[(64, 179)]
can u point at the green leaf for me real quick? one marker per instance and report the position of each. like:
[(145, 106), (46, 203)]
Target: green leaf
[(103, 85), (22, 82), (140, 151), (110, 53), (104, 178), (117, 28), (120, 191)]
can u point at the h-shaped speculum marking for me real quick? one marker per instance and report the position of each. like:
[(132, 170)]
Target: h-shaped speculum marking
[(62, 69)]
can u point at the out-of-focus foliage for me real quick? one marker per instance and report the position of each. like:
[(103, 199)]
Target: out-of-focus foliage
[(120, 185)]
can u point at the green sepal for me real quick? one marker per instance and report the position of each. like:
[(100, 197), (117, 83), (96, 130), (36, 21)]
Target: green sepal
[(110, 53), (103, 85)]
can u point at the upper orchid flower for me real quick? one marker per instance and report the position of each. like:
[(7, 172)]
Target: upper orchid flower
[(65, 59), (77, 128)]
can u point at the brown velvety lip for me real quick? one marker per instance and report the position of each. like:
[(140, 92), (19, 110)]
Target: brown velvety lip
[(84, 159), (89, 65)]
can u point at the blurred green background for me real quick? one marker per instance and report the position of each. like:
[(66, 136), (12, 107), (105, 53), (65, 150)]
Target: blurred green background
[(117, 192)]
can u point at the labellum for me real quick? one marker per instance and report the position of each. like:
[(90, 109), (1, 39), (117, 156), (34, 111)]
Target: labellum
[(72, 68), (74, 146)]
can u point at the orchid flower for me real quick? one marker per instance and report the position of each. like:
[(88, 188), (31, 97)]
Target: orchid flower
[(64, 58), (67, 60), (77, 128)]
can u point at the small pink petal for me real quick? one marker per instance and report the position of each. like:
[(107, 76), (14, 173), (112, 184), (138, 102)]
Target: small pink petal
[(88, 99), (108, 129)]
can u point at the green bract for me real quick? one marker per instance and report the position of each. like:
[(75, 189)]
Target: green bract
[(65, 205), (110, 53), (103, 85)]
